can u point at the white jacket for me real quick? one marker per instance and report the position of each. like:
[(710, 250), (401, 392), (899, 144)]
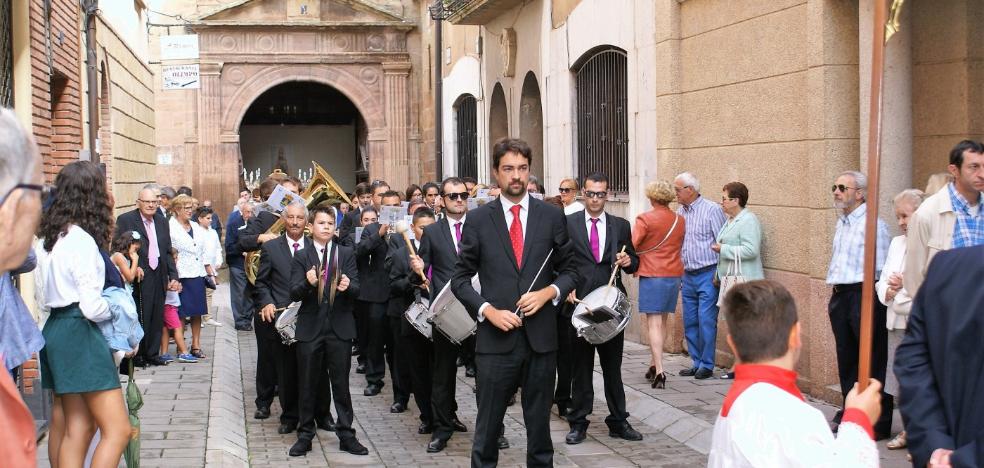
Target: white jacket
[(930, 232), (191, 251), (898, 308)]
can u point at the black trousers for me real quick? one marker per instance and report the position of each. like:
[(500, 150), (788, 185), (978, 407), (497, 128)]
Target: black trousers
[(376, 346), (272, 353), (152, 290), (844, 311), (566, 335), (444, 377), (610, 355), (362, 330), (398, 356), (324, 361), (418, 351), (498, 377)]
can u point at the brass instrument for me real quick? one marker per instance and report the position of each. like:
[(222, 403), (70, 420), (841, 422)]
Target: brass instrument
[(322, 188)]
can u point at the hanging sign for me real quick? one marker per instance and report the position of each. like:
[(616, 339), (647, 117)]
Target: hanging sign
[(179, 47), (181, 77)]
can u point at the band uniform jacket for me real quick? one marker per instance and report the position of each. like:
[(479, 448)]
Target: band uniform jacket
[(487, 250), (370, 253), (593, 274), (319, 316), (133, 221), (273, 276), (439, 255), (349, 222)]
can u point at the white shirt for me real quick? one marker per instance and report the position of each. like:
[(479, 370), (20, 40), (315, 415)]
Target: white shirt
[(602, 231), (191, 250), (213, 249), (291, 242), (321, 249), (75, 273), (454, 236), (897, 314), (574, 207)]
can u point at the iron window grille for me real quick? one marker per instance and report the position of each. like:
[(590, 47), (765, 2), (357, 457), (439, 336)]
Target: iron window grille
[(466, 115), (601, 87)]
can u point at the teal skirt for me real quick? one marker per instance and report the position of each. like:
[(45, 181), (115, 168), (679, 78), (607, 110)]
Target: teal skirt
[(75, 357)]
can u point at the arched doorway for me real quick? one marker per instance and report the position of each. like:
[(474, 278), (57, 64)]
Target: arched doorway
[(294, 123), (498, 117), (531, 121), (466, 135)]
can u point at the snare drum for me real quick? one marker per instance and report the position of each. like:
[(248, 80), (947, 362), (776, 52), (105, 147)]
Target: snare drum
[(602, 315), (450, 317), (286, 323), (418, 314)]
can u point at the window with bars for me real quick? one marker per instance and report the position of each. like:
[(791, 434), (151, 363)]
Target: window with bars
[(601, 88), (466, 114), (6, 55)]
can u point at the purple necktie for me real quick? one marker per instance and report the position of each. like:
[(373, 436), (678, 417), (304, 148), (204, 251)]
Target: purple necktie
[(296, 245), (324, 275), (595, 242), (457, 234), (153, 252)]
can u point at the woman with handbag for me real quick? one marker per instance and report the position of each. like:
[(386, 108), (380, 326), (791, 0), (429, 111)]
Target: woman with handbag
[(739, 244), (188, 238), (658, 238)]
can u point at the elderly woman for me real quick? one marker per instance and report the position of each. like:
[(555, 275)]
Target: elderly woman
[(658, 239), (739, 241), (568, 194), (893, 295), (189, 239)]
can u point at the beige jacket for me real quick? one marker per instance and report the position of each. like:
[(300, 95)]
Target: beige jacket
[(930, 231)]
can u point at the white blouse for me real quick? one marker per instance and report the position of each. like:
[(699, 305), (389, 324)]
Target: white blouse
[(75, 273), (213, 249), (191, 251), (898, 309)]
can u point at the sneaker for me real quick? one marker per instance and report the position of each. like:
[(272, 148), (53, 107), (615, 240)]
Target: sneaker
[(167, 358), (187, 358), (213, 322)]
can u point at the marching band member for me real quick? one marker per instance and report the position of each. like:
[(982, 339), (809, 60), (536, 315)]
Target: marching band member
[(597, 239), (326, 281), (273, 293), (438, 253), (520, 249)]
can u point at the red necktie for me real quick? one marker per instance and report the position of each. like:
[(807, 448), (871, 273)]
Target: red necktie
[(516, 235)]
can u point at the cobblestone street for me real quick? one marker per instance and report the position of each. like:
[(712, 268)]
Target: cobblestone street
[(197, 415)]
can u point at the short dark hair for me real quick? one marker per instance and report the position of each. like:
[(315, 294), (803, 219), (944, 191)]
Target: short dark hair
[(452, 181), (376, 184), (423, 212), (321, 208), (428, 186), (295, 181), (185, 190), (510, 145), (267, 187), (760, 315), (390, 194), (361, 189), (412, 188), (469, 180), (597, 177), (369, 209), (957, 153), (202, 211), (737, 190)]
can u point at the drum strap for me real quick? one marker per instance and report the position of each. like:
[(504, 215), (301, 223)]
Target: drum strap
[(676, 219)]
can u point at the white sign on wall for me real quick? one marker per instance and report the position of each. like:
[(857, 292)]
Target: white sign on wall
[(179, 47), (164, 159), (181, 77)]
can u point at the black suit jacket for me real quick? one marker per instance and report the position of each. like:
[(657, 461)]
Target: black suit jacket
[(593, 274), (939, 362), (132, 221), (316, 317), (439, 255), (259, 224), (370, 253), (487, 250), (349, 223), (273, 276)]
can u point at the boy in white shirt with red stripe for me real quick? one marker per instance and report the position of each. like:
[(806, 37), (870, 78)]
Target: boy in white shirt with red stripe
[(765, 421)]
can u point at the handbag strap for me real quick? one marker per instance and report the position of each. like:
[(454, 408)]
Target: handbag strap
[(735, 268), (676, 219)]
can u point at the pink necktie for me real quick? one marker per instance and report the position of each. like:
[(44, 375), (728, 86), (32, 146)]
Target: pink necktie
[(516, 235), (595, 242), (153, 252), (457, 235), (296, 245)]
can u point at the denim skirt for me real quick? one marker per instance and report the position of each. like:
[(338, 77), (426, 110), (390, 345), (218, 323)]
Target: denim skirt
[(658, 295)]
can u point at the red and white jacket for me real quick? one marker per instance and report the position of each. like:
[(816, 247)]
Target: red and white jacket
[(765, 422)]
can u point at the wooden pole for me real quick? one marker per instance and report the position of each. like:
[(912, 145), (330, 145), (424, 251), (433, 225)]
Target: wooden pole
[(871, 198)]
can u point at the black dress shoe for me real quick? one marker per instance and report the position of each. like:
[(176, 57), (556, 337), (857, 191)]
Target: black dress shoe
[(470, 370), (372, 390), (261, 413), (352, 445), (360, 369), (286, 428), (425, 428), (503, 443), (688, 372), (704, 374), (436, 445), (326, 425), (577, 435), (458, 425), (398, 407), (627, 432), (300, 448)]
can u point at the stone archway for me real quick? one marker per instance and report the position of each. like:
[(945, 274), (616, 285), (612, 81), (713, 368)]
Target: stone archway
[(498, 116), (531, 122)]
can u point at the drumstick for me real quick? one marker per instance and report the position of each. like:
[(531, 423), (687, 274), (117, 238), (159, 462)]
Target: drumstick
[(611, 280), (545, 261), (401, 227)]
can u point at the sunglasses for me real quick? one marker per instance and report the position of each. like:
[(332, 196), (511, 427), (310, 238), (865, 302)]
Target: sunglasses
[(457, 196), (590, 194), (841, 188), (565, 190)]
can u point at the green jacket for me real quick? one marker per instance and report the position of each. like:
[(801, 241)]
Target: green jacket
[(741, 236)]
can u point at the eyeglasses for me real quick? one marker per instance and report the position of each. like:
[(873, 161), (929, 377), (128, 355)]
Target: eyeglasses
[(726, 199), (565, 189), (35, 187), (590, 194), (457, 196), (150, 202), (841, 187), (680, 189)]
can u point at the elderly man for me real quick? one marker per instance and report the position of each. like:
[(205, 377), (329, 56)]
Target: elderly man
[(242, 305), (700, 311), (164, 195), (845, 277)]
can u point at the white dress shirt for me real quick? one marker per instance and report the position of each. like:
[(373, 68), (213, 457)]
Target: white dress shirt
[(291, 242), (602, 232), (898, 308), (321, 249), (75, 273), (454, 235), (213, 249)]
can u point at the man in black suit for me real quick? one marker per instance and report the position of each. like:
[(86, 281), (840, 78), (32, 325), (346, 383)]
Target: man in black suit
[(364, 193), (939, 363), (326, 281), (251, 239), (413, 350), (506, 242), (363, 198), (438, 254), (159, 271), (273, 293), (598, 238)]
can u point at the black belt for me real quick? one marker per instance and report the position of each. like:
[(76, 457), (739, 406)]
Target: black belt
[(701, 270), (838, 288)]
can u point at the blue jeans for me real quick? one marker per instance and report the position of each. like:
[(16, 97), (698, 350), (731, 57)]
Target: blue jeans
[(242, 306), (700, 314)]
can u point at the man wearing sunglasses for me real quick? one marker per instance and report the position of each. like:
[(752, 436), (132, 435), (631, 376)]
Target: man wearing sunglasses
[(845, 277)]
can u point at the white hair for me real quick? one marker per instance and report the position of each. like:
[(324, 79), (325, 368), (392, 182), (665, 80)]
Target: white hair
[(913, 196), (283, 214), (689, 179), (860, 179), (18, 154)]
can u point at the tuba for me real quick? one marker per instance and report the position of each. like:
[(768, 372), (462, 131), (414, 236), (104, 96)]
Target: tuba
[(322, 188)]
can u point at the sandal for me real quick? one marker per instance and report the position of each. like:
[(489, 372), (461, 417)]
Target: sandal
[(197, 352), (898, 442)]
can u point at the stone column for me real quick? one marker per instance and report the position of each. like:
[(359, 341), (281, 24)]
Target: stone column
[(213, 177), (397, 98)]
